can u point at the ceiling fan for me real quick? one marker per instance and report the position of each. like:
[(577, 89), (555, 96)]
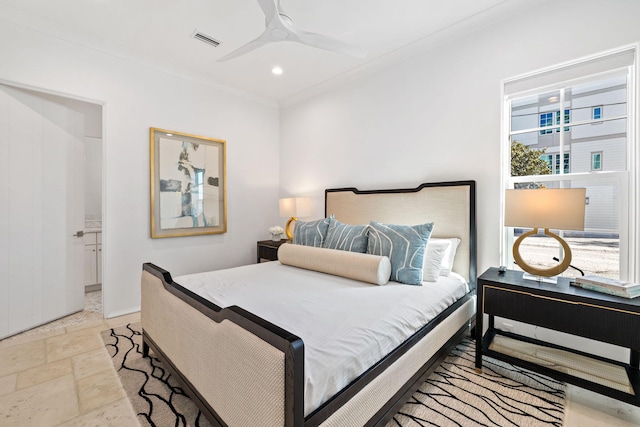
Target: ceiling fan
[(280, 27)]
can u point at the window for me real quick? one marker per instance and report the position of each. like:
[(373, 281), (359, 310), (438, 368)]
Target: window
[(596, 161), (567, 119), (553, 162), (546, 120), (596, 113), (551, 114), (565, 164), (549, 159)]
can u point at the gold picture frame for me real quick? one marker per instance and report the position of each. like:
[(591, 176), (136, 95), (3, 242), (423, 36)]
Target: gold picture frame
[(188, 184)]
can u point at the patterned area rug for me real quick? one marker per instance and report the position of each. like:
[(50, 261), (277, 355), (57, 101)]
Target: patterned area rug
[(454, 395)]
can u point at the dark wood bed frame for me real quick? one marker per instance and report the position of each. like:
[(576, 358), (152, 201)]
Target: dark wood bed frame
[(293, 347)]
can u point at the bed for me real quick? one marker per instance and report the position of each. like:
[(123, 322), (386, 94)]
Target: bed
[(244, 363)]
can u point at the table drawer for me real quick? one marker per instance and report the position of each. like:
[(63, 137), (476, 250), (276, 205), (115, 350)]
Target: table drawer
[(584, 319), (268, 252)]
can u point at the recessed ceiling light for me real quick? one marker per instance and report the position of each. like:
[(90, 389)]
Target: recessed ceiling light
[(169, 134), (276, 70)]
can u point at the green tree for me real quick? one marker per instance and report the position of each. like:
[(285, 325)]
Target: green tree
[(526, 161)]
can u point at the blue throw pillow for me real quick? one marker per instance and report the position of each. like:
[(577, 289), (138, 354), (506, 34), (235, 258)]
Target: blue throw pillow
[(311, 233), (346, 237), (404, 245)]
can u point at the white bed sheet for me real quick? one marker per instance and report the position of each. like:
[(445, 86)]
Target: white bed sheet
[(346, 325)]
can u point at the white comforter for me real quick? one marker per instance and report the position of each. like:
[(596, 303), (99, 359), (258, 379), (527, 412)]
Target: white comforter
[(346, 326)]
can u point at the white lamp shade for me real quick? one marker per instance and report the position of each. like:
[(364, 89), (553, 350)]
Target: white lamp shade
[(295, 207), (554, 208)]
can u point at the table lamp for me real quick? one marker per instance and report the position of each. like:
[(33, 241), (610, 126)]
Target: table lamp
[(294, 207), (548, 208)]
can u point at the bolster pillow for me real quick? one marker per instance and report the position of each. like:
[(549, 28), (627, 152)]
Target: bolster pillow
[(352, 265)]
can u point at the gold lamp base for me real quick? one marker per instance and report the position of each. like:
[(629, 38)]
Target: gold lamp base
[(548, 272), (288, 227)]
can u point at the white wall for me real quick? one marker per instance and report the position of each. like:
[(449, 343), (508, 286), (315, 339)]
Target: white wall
[(437, 116), (137, 97), (92, 178)]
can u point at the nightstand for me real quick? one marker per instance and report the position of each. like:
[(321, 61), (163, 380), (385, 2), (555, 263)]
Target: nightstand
[(567, 309), (268, 249)]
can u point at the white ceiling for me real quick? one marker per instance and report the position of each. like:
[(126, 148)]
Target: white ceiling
[(159, 33)]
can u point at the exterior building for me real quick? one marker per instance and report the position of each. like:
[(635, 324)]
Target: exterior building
[(587, 135)]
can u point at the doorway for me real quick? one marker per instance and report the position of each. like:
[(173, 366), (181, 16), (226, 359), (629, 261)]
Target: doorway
[(47, 203)]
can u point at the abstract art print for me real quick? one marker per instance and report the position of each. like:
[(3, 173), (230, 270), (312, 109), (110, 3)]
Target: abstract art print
[(188, 184)]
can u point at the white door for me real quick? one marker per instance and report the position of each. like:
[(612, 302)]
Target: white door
[(41, 209)]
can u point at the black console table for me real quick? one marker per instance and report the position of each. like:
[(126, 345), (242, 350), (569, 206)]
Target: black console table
[(268, 249), (564, 308)]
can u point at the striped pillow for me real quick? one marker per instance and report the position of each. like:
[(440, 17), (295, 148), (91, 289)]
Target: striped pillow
[(405, 247), (311, 233), (345, 237)]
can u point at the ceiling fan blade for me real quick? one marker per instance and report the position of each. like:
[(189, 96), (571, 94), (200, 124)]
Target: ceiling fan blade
[(279, 27), (269, 8), (252, 45), (327, 43)]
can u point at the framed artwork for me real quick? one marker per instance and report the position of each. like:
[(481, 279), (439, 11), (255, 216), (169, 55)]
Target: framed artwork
[(188, 184)]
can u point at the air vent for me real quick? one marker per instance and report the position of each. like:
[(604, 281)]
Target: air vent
[(205, 38)]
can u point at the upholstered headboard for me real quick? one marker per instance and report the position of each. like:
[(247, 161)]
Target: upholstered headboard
[(451, 206)]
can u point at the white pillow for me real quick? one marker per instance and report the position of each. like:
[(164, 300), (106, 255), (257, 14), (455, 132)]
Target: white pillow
[(450, 255), (436, 251)]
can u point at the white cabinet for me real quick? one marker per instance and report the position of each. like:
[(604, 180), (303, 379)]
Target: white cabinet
[(90, 265), (92, 258)]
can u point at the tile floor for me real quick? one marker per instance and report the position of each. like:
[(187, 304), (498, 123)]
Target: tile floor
[(61, 375)]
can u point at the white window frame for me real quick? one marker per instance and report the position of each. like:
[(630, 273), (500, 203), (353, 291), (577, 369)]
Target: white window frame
[(628, 180)]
